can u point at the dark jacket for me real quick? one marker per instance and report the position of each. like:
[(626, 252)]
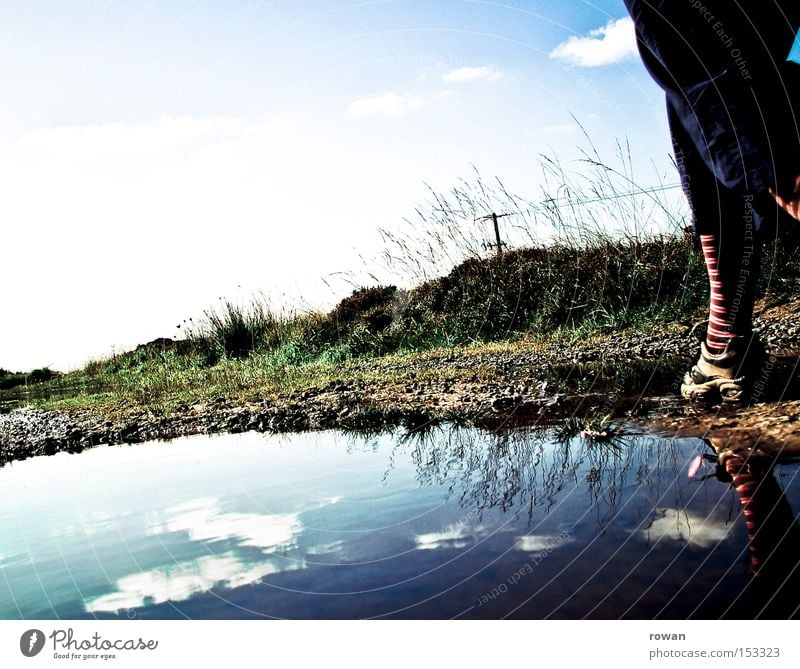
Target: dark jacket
[(722, 65)]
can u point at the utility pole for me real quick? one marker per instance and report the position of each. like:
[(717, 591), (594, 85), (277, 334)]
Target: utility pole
[(494, 217)]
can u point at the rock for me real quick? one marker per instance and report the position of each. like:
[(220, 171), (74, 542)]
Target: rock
[(502, 404)]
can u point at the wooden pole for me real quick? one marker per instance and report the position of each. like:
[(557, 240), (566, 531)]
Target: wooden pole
[(497, 235), (498, 241)]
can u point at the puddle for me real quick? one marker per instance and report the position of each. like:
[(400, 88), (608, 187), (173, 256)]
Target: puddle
[(455, 522)]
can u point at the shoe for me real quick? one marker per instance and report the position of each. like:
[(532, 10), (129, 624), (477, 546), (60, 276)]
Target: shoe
[(724, 376)]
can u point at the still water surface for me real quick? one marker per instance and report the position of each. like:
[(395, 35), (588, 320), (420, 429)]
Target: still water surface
[(455, 522)]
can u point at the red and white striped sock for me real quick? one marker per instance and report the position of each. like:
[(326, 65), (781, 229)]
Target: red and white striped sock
[(721, 326)]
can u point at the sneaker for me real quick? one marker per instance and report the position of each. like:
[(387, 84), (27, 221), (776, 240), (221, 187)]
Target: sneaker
[(723, 376)]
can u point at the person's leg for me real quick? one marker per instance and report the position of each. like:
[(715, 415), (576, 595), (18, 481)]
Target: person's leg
[(731, 256), (726, 224)]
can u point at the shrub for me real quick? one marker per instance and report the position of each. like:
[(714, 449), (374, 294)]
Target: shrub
[(235, 331)]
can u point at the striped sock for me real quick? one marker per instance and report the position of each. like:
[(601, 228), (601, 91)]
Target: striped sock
[(721, 326)]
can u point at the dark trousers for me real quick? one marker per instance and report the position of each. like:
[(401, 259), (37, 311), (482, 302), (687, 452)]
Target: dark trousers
[(730, 100)]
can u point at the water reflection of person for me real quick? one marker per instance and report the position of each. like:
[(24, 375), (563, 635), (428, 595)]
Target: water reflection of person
[(773, 535)]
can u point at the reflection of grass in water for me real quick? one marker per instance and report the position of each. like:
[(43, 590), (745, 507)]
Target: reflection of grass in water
[(596, 427), (534, 468)]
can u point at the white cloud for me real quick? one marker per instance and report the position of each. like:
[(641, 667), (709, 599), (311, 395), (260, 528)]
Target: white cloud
[(458, 535), (335, 547), (612, 43), (387, 105), (203, 520), (538, 543), (684, 526), (180, 581), (465, 74)]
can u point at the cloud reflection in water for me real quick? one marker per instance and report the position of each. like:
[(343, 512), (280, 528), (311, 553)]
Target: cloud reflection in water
[(458, 535), (180, 581), (203, 521), (688, 527)]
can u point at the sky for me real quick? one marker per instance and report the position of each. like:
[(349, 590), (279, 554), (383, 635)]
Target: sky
[(156, 156)]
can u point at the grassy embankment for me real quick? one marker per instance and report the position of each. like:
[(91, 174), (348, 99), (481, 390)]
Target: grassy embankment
[(543, 295), (535, 297)]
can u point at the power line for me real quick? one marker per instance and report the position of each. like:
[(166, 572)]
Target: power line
[(560, 202), (553, 202), (644, 191)]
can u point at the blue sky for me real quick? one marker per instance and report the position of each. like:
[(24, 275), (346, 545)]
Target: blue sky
[(158, 155)]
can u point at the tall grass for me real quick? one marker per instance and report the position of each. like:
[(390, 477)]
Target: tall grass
[(235, 330), (591, 202)]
